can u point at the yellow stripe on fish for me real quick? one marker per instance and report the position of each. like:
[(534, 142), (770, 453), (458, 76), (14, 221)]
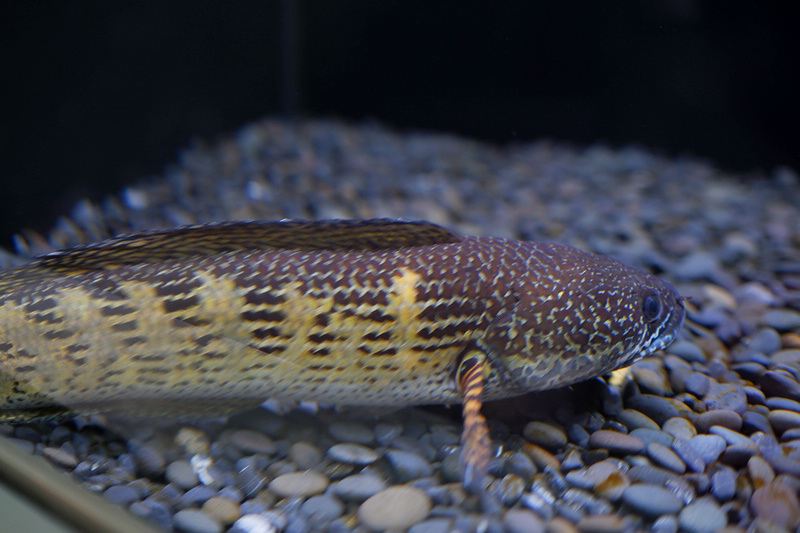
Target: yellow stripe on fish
[(206, 318)]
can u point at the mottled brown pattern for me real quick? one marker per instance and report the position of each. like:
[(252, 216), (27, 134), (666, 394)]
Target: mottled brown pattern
[(381, 314)]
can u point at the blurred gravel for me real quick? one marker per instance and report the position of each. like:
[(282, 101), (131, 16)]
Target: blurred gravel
[(703, 437)]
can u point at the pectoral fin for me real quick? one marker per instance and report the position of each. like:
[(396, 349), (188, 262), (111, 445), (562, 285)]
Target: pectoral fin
[(475, 435)]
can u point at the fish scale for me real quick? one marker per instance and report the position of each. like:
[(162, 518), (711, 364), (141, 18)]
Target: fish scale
[(378, 312)]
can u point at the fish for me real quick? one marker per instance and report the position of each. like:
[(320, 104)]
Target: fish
[(218, 317)]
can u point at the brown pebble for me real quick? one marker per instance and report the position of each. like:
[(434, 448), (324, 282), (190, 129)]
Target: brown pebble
[(776, 503), (608, 479), (250, 442), (651, 380), (222, 509), (790, 340), (545, 435), (560, 525), (616, 442), (60, 457), (718, 417), (606, 523), (760, 472), (541, 457), (679, 427)]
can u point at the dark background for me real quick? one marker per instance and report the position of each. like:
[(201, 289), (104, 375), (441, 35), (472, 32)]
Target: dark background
[(98, 94)]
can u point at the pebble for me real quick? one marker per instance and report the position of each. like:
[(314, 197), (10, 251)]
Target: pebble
[(196, 496), (154, 512), (521, 465), (777, 503), (522, 521), (650, 435), (651, 475), (703, 516), (688, 351), (787, 357), (60, 457), (305, 455), (665, 524), (560, 525), (665, 457), (723, 483), (249, 441), (782, 403), (760, 471), (386, 433), (324, 508), (781, 319), (737, 455), (718, 417), (541, 457), (730, 436), (603, 523), (433, 525), (253, 523), (651, 500), (398, 507), (781, 419), (607, 479), (222, 510), (545, 435), (354, 454), (656, 407), (193, 521), (766, 340), (150, 461), (650, 380), (698, 265), (616, 442), (351, 432), (697, 384), (123, 495), (726, 396), (182, 474), (779, 384), (633, 420), (358, 487), (679, 428), (708, 447), (408, 466), (299, 484), (509, 489), (694, 461)]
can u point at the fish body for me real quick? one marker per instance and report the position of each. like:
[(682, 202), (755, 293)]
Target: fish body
[(342, 312)]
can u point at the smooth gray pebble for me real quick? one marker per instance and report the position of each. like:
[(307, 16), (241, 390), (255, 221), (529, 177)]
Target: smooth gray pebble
[(651, 500), (323, 508), (194, 521), (703, 516), (408, 465), (182, 474), (358, 487)]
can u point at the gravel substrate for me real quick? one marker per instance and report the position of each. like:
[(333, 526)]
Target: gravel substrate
[(703, 437)]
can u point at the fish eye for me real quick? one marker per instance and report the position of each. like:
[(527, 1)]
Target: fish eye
[(651, 307)]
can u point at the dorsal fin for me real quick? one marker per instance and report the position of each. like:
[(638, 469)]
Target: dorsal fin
[(211, 239)]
